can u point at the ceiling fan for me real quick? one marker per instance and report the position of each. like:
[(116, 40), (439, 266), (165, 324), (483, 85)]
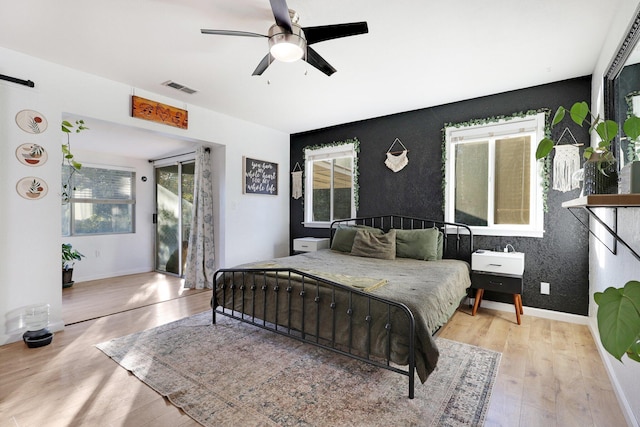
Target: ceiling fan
[(289, 42)]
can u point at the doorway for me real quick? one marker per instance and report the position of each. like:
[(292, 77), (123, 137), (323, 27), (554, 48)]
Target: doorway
[(174, 200)]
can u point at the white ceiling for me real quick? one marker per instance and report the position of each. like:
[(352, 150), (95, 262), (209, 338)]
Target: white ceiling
[(417, 53)]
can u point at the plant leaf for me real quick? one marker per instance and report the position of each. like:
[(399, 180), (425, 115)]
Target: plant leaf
[(619, 318), (631, 127), (544, 148), (579, 112), (557, 118), (607, 130), (588, 152)]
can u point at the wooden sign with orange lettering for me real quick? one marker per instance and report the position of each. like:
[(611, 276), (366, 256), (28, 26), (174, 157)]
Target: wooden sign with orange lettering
[(159, 113)]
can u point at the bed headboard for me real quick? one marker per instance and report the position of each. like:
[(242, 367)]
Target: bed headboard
[(458, 238)]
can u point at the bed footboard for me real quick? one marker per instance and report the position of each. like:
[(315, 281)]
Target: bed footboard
[(320, 312)]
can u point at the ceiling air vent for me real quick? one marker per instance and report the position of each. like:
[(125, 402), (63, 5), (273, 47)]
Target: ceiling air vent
[(178, 86)]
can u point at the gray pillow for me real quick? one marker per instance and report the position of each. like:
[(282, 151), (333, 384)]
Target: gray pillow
[(372, 244), (417, 244), (344, 235)]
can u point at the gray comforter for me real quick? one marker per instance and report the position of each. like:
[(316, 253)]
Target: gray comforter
[(432, 290)]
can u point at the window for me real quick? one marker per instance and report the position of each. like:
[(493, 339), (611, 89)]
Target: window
[(492, 178), (102, 201), (331, 183)]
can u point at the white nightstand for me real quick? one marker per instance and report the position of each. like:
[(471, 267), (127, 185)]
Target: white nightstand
[(499, 272), (310, 244)]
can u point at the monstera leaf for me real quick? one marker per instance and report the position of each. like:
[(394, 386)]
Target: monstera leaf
[(619, 320)]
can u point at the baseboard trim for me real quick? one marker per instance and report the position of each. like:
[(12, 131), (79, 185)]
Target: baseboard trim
[(110, 275), (607, 360), (536, 312)]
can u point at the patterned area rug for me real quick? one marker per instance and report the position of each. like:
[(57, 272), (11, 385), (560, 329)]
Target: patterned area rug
[(236, 374)]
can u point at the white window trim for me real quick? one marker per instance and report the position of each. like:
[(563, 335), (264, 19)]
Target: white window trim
[(532, 125), (314, 154)]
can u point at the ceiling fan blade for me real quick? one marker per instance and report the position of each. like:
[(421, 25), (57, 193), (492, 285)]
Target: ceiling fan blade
[(281, 13), (231, 33), (266, 61), (328, 32), (318, 61)]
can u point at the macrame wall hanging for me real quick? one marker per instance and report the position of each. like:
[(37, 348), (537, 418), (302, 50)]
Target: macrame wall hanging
[(566, 162), (296, 181), (397, 160)]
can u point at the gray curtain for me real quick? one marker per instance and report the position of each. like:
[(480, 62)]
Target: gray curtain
[(200, 256)]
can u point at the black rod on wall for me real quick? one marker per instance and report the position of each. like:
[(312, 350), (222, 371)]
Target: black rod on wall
[(207, 149), (19, 81)]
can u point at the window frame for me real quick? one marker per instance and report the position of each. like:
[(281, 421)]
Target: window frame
[(82, 200), (349, 148), (533, 125)]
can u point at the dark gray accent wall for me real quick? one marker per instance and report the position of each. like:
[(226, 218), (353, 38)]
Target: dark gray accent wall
[(560, 257)]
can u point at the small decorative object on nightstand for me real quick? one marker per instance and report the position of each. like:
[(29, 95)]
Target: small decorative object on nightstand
[(310, 244), (499, 272)]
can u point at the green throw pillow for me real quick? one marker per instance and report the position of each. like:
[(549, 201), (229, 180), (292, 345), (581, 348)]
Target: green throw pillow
[(440, 251), (372, 244), (417, 244), (344, 235)]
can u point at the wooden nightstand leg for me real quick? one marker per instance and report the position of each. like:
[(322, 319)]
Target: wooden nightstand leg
[(516, 303), (479, 294), (520, 303)]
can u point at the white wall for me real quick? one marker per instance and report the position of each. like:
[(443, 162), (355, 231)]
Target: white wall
[(247, 227), (607, 269)]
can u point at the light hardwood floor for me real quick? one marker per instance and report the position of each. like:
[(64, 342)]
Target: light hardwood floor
[(96, 298), (550, 373)]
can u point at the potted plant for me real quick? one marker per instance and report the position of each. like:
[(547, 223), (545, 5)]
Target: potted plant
[(619, 320), (600, 168), (69, 258)]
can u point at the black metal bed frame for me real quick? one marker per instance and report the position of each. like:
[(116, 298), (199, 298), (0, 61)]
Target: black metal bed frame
[(326, 299)]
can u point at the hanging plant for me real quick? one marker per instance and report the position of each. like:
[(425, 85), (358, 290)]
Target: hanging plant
[(68, 158)]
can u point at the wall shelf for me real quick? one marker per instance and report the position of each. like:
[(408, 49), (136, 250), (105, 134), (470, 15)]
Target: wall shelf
[(612, 201), (604, 201)]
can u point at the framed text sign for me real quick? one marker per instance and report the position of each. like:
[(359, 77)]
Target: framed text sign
[(259, 177)]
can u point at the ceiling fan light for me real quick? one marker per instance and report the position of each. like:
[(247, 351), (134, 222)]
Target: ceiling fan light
[(286, 52), (286, 47)]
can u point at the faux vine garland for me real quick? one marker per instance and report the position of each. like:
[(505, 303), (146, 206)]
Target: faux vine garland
[(356, 172), (633, 152), (546, 165)]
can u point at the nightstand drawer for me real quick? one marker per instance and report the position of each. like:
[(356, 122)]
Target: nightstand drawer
[(310, 244), (498, 262), (511, 284)]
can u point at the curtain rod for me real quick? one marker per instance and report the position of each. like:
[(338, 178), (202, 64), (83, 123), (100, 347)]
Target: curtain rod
[(207, 149), (19, 81)]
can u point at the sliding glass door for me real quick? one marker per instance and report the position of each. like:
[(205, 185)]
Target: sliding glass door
[(174, 200)]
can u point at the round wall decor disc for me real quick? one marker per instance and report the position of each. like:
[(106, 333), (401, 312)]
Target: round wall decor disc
[(31, 121), (32, 188), (31, 154)]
